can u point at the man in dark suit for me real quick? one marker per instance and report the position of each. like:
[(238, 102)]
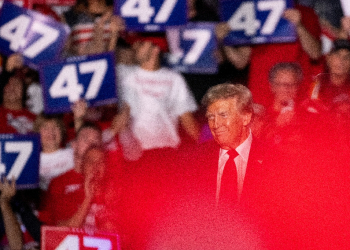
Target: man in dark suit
[(293, 200), (205, 211), (229, 110)]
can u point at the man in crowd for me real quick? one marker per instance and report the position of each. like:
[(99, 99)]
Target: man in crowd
[(288, 121), (159, 99), (287, 195), (70, 195), (306, 51), (216, 180), (229, 110), (334, 85)]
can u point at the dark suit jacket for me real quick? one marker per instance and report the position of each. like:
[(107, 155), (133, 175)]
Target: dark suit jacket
[(297, 199), (202, 164)]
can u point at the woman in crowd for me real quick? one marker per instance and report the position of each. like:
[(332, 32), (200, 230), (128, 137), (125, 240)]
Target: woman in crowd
[(13, 114), (55, 159)]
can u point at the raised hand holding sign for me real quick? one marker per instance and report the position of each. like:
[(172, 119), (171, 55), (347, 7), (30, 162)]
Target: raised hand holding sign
[(89, 77), (192, 48), (19, 159), (151, 15), (36, 36), (257, 21)]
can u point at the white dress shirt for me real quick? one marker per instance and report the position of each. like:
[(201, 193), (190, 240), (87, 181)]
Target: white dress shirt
[(241, 161)]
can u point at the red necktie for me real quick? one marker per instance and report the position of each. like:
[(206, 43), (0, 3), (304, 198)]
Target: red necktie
[(228, 190)]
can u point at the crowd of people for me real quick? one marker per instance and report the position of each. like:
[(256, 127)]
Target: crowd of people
[(153, 167)]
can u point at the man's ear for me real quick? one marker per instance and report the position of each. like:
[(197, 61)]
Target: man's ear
[(247, 118)]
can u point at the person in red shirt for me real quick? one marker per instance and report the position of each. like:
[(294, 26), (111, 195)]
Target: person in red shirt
[(288, 121), (332, 89), (334, 85), (13, 114), (69, 195), (78, 197), (306, 51)]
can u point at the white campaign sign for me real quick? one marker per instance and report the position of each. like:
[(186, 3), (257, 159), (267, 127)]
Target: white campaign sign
[(71, 242), (143, 10), (244, 18), (67, 84), (24, 150), (67, 238), (15, 33), (18, 3), (201, 39)]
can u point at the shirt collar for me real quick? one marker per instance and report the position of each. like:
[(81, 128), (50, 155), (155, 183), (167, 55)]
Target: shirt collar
[(243, 149)]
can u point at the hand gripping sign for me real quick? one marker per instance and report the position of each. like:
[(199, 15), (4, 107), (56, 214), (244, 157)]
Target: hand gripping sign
[(88, 77), (192, 48), (37, 37), (19, 159), (64, 238), (151, 15), (257, 21)]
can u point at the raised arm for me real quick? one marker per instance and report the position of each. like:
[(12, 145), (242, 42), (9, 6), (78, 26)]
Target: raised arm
[(311, 45), (79, 109), (238, 56), (12, 227), (117, 25)]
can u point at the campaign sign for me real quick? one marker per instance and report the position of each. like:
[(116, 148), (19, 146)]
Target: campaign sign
[(192, 48), (19, 159), (88, 77), (21, 3), (151, 15), (37, 37), (257, 21), (55, 2), (64, 238)]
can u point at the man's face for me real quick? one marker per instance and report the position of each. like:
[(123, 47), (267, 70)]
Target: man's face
[(228, 126), (285, 86), (146, 50), (94, 164), (13, 91), (86, 138), (338, 62), (50, 135)]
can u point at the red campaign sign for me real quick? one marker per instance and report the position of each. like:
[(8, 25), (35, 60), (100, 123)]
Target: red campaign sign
[(55, 2), (64, 238)]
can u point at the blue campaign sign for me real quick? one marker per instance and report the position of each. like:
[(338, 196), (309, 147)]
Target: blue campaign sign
[(192, 48), (91, 78), (151, 15), (19, 159), (21, 3), (257, 21), (37, 37)]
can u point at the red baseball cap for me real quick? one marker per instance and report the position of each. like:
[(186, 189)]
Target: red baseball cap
[(158, 39)]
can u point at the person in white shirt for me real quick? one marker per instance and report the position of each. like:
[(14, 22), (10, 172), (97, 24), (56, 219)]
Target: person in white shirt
[(54, 159), (159, 100)]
